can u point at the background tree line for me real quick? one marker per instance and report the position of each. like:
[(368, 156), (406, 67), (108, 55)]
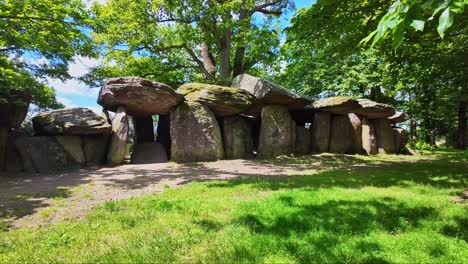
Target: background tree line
[(409, 53)]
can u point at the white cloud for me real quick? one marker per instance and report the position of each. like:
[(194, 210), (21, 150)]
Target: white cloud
[(69, 104), (72, 87)]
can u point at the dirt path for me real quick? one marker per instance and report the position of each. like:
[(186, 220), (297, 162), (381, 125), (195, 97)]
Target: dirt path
[(35, 200)]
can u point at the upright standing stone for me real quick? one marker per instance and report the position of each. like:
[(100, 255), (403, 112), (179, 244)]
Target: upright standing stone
[(356, 143), (400, 139), (320, 132), (277, 132), (341, 135), (73, 146), (95, 148), (148, 152), (195, 134), (385, 136), (369, 140), (237, 135), (144, 129), (303, 139), (119, 136)]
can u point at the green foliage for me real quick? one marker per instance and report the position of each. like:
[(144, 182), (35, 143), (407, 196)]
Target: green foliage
[(179, 41), (422, 145), (398, 210), (37, 40), (404, 14)]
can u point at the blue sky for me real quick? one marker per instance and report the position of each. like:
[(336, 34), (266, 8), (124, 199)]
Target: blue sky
[(73, 93)]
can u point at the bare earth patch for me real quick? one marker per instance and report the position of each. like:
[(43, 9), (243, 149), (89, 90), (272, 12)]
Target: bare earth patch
[(37, 200)]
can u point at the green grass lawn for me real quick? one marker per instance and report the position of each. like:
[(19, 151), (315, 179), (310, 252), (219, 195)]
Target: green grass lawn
[(396, 209)]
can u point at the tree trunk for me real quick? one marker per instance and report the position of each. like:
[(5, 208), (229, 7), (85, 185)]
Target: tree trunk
[(208, 61), (462, 124), (239, 61), (413, 126), (224, 47)]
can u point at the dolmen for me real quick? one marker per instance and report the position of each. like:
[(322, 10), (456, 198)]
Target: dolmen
[(199, 122)]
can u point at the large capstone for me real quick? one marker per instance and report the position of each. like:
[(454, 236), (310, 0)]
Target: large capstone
[(385, 136), (320, 132), (195, 134), (277, 132), (269, 93), (374, 110), (72, 121), (303, 139), (148, 152), (345, 137), (398, 117), (237, 135), (119, 136), (369, 140), (140, 97), (337, 105), (43, 154), (14, 108), (222, 101)]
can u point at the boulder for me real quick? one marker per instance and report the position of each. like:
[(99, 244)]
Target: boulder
[(344, 136), (340, 105), (268, 93), (385, 136), (140, 97), (148, 152), (195, 134), (95, 148), (277, 132), (13, 161), (320, 132), (72, 121), (303, 139), (43, 154), (357, 133), (144, 129), (373, 110), (400, 140), (222, 101), (119, 136), (369, 140), (14, 109), (398, 117), (73, 145), (237, 138)]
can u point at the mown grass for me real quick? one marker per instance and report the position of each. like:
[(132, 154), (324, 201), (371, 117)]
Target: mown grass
[(391, 211)]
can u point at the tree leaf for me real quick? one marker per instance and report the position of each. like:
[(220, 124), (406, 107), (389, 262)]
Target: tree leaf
[(418, 25), (445, 21)]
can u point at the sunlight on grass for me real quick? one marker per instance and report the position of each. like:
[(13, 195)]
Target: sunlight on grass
[(400, 211)]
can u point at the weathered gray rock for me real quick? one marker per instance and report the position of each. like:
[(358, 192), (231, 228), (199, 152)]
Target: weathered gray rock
[(385, 136), (320, 132), (357, 134), (148, 152), (374, 110), (13, 111), (95, 148), (237, 135), (369, 140), (144, 129), (341, 105), (398, 117), (140, 97), (400, 140), (268, 93), (119, 137), (277, 132), (303, 139), (72, 121), (344, 136), (43, 154), (195, 134), (73, 145), (222, 101)]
